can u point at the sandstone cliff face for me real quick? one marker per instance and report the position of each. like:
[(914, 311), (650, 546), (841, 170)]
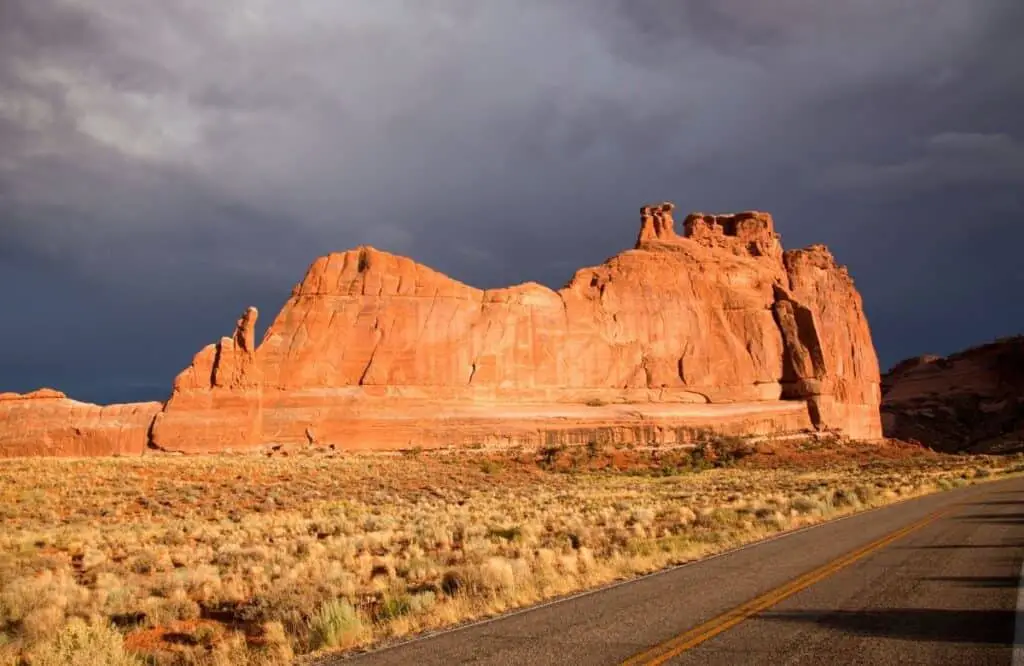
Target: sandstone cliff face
[(719, 315), (972, 401), (712, 326), (830, 359), (218, 398), (47, 423)]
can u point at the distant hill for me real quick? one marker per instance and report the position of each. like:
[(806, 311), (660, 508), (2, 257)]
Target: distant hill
[(971, 401)]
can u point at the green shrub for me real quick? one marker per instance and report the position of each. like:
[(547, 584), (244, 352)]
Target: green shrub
[(506, 533), (866, 494), (844, 497), (804, 504), (453, 582), (548, 456), (83, 644), (394, 607), (204, 635), (422, 602), (335, 624), (718, 518)]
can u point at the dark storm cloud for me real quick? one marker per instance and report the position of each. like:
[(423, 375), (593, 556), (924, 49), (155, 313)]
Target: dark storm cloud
[(163, 165), (944, 160)]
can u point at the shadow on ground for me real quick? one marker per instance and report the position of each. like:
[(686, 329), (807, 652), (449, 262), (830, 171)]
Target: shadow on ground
[(964, 546), (1016, 518), (996, 503), (918, 624), (976, 581)]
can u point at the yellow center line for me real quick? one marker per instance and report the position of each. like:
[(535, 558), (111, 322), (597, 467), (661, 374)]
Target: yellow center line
[(673, 647)]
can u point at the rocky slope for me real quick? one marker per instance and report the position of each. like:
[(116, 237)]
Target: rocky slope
[(970, 401), (713, 327)]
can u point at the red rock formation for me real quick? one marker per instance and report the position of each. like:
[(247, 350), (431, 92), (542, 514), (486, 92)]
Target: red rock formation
[(830, 360), (715, 328), (971, 401), (47, 423), (219, 396), (656, 223), (373, 349)]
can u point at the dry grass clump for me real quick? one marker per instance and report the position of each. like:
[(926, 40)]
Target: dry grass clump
[(81, 643), (337, 625), (249, 559)]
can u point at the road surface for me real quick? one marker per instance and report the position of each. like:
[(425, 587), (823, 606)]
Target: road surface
[(928, 581)]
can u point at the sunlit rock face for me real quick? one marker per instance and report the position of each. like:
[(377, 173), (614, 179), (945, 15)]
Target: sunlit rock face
[(712, 326), (48, 423)]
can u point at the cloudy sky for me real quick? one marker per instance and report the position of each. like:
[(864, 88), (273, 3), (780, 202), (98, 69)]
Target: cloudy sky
[(165, 164)]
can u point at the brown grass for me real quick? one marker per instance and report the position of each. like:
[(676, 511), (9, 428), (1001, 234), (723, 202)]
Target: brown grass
[(253, 559)]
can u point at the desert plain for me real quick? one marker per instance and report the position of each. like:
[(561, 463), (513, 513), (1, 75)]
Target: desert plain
[(268, 559)]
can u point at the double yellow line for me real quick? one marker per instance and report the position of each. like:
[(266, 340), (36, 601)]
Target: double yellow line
[(673, 647)]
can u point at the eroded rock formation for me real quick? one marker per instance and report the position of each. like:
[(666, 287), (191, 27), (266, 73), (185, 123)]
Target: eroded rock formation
[(830, 359), (219, 396), (971, 401), (717, 316), (47, 423), (716, 327)]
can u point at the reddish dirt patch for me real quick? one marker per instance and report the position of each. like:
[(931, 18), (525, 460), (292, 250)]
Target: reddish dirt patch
[(180, 636), (810, 454)]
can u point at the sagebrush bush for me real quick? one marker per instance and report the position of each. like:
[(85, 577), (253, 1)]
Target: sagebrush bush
[(805, 505), (335, 625), (843, 497), (81, 643)]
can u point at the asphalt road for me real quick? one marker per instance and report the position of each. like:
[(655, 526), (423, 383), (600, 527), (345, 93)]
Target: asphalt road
[(929, 581)]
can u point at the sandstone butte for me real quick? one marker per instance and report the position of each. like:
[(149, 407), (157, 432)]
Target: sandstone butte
[(714, 327)]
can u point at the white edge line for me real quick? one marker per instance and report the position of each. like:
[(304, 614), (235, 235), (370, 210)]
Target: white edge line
[(1018, 625), (1018, 651)]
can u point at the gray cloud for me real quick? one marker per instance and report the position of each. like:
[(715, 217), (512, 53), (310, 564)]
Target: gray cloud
[(163, 165), (948, 159)]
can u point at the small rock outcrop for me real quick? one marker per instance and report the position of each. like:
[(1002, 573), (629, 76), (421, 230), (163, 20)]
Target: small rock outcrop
[(48, 423), (971, 401), (656, 223)]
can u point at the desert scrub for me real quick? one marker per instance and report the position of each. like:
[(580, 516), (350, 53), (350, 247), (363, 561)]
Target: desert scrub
[(80, 643), (335, 625), (252, 559)]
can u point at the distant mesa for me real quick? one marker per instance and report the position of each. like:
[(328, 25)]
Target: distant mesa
[(971, 401), (713, 326)]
